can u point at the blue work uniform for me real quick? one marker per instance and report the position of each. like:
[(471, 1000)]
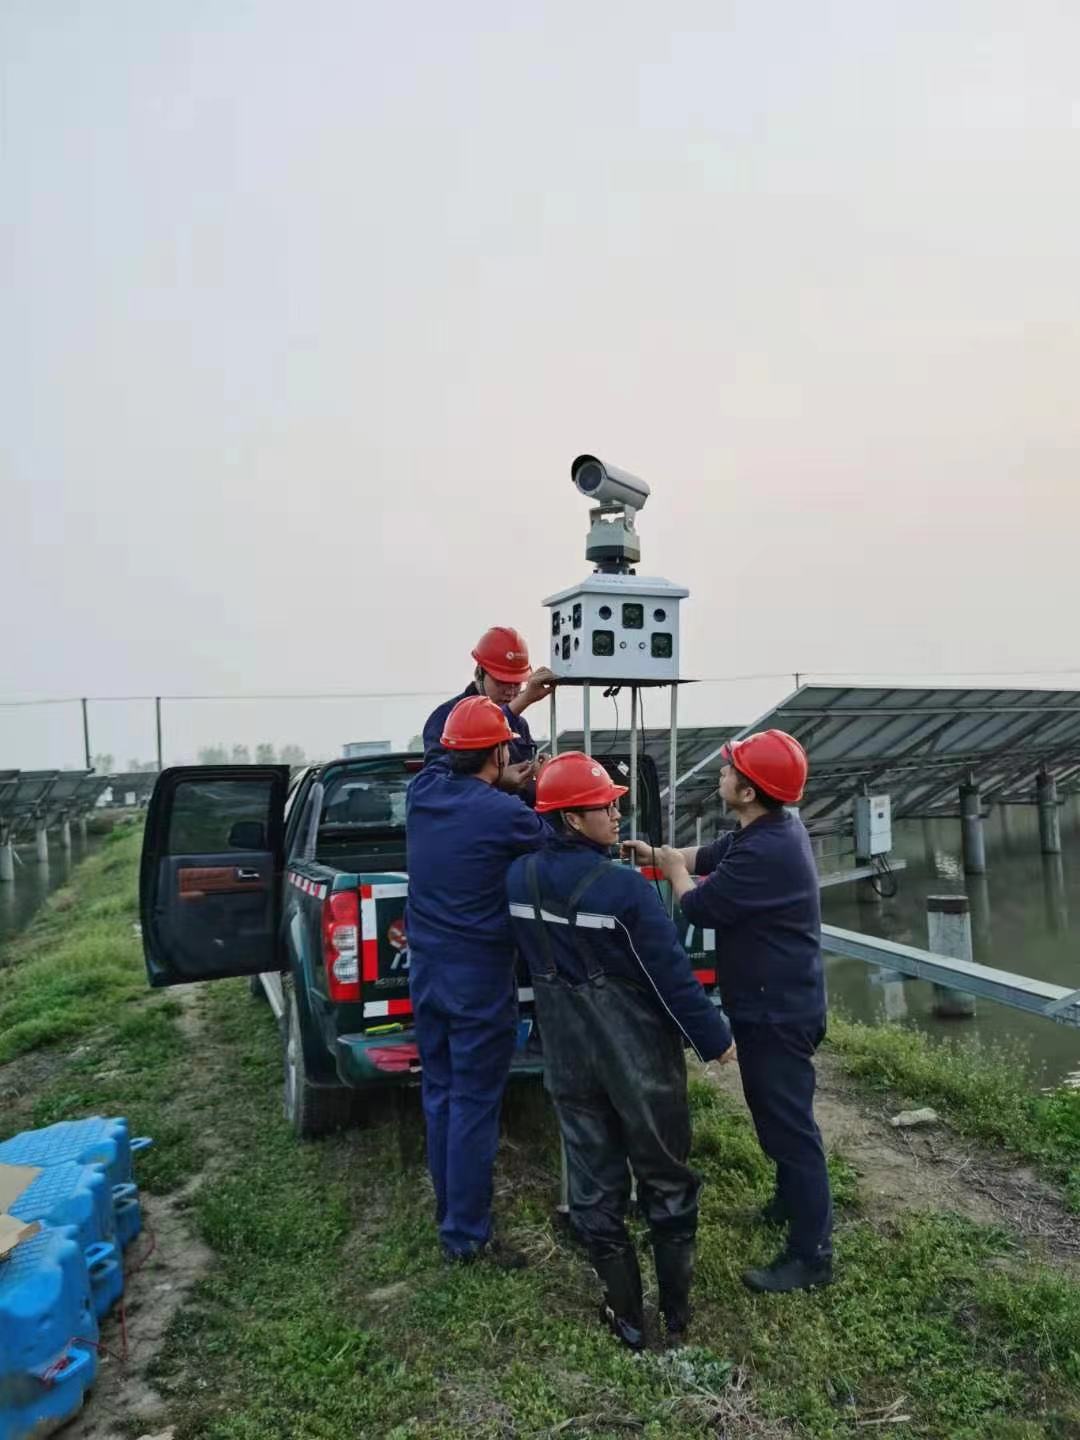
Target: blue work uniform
[(520, 749), (762, 897), (617, 1000), (462, 835)]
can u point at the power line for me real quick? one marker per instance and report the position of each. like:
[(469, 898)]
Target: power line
[(24, 703)]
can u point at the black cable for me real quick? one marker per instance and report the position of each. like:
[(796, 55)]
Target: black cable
[(652, 847), (613, 695), (885, 874)]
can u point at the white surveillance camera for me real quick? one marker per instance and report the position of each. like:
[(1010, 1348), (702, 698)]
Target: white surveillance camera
[(607, 484)]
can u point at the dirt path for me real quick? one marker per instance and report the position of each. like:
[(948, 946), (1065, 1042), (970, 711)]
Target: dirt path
[(161, 1268), (930, 1168)]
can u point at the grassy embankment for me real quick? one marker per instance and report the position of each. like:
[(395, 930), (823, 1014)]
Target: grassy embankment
[(327, 1312)]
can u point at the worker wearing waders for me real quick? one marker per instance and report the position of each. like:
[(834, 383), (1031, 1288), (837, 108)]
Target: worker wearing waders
[(503, 675), (617, 1000), (761, 896), (462, 832)]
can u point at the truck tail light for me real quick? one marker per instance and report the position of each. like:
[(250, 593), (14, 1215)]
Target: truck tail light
[(341, 944)]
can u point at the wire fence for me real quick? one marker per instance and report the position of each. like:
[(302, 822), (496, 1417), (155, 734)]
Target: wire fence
[(129, 732)]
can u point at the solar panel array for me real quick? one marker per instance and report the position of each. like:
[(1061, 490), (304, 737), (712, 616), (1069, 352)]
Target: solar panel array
[(32, 798), (918, 745)]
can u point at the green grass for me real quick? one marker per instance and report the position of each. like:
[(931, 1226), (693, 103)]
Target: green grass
[(983, 1093), (327, 1312)]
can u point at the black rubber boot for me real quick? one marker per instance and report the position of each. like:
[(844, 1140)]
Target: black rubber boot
[(621, 1310), (674, 1258), (789, 1272)]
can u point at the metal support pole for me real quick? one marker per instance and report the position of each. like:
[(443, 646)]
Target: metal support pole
[(633, 762), (1055, 895), (586, 717), (7, 861), (65, 834), (83, 831), (157, 717), (673, 761), (978, 893), (698, 826), (553, 747), (948, 924), (42, 842), (1049, 815), (972, 839), (86, 734)]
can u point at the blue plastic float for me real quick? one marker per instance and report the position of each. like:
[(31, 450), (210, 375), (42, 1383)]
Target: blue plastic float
[(95, 1141), (48, 1334), (79, 1195)]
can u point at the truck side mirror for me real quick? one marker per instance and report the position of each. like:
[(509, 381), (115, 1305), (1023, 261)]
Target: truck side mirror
[(248, 835)]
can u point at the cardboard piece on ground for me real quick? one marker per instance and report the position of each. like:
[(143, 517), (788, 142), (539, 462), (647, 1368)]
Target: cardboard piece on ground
[(14, 1179)]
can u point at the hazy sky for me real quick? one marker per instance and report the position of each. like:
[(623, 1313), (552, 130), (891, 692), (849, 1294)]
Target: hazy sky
[(305, 309)]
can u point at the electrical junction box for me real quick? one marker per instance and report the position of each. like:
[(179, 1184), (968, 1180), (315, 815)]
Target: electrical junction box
[(873, 826), (617, 629)]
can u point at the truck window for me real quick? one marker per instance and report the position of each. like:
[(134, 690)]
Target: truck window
[(205, 813), (366, 801)]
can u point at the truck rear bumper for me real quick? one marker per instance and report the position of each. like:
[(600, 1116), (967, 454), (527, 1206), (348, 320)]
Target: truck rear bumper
[(394, 1058)]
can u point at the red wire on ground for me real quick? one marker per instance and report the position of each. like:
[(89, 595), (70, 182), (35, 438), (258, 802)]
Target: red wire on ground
[(134, 1269), (59, 1365)]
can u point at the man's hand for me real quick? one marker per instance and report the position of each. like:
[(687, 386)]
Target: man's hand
[(727, 1057), (638, 851), (515, 776), (670, 861), (538, 687)]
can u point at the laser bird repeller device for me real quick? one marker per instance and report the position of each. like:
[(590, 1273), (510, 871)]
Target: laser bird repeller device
[(615, 627)]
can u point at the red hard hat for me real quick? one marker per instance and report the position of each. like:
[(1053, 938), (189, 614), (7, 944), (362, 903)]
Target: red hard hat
[(574, 782), (773, 761), (475, 724), (503, 654)]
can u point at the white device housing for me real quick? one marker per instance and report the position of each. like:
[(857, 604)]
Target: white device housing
[(616, 629), (873, 825)]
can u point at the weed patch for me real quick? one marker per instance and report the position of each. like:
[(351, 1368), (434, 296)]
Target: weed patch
[(982, 1093)]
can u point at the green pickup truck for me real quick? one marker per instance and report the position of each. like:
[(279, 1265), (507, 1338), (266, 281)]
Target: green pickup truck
[(300, 884)]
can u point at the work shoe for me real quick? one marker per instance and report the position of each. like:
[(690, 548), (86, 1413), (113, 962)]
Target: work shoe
[(494, 1253), (787, 1273)]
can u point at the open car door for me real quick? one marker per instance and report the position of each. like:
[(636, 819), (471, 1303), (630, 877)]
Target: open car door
[(650, 812), (212, 869)]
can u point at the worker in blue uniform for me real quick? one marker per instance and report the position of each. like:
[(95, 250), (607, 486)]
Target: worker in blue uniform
[(502, 674), (462, 833), (617, 1001), (761, 896)]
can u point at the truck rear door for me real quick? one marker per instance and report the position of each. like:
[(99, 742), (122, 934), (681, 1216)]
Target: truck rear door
[(210, 883)]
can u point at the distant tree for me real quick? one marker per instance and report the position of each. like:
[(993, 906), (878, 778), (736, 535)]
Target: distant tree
[(416, 743), (264, 755), (292, 755), (213, 755), (103, 764), (241, 755)]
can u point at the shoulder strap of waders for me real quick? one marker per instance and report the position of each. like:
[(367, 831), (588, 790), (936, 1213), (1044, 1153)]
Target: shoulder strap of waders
[(532, 879), (579, 936)]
